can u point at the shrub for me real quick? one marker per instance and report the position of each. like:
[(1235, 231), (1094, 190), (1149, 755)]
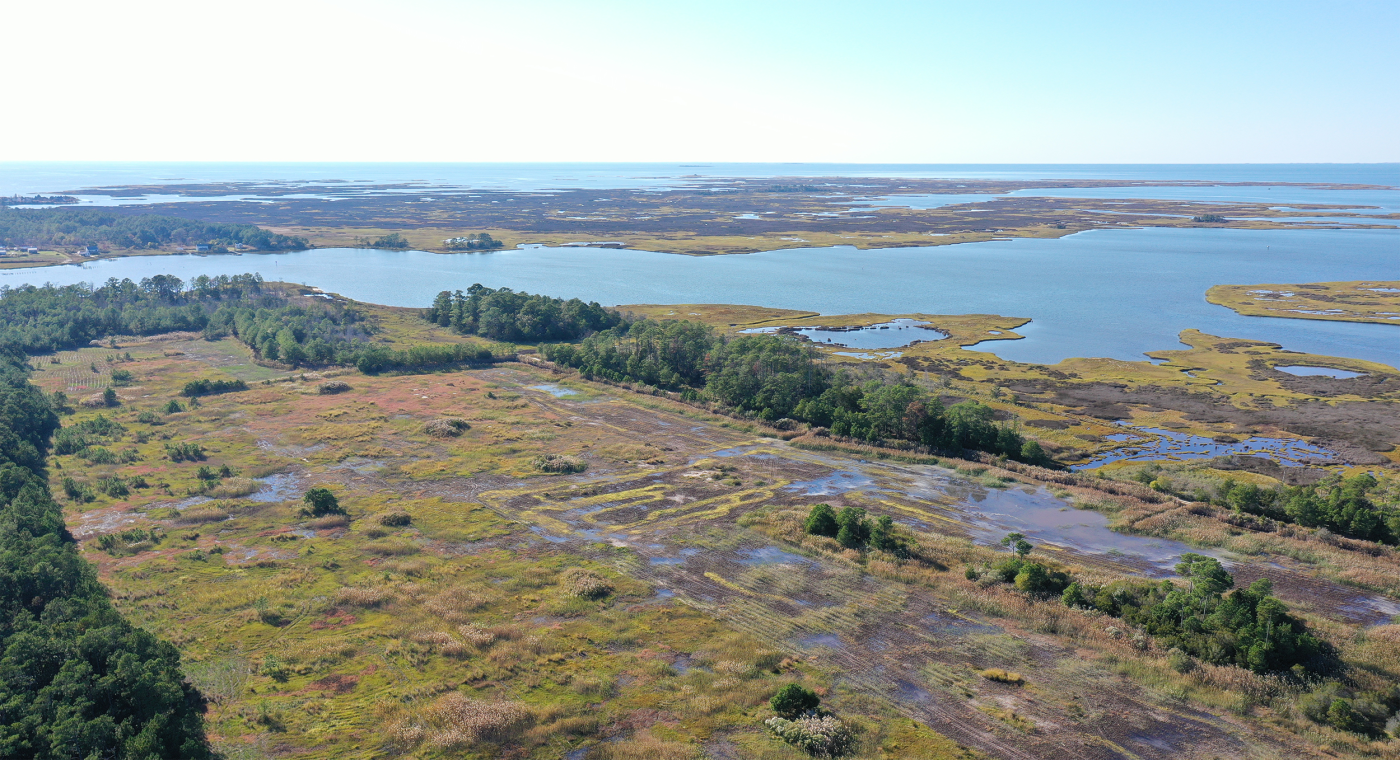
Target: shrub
[(818, 736), (794, 700), (331, 387), (210, 387), (149, 418), (114, 487), (109, 398), (100, 455), (854, 529), (821, 521), (172, 407), (321, 502), (585, 584), (95, 401), (559, 463), (274, 669), (79, 492), (395, 519), (448, 427), (184, 452), (121, 376)]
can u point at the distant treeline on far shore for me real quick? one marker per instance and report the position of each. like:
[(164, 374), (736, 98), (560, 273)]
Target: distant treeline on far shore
[(62, 227)]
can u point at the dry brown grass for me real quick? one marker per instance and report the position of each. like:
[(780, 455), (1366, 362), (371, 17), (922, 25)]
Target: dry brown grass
[(456, 721), (362, 596), (201, 515), (454, 603), (391, 548), (233, 488), (585, 584), (329, 521), (645, 746), (476, 635), (447, 427)]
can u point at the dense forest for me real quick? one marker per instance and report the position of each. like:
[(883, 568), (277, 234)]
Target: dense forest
[(776, 377), (76, 679), (85, 226), (38, 320)]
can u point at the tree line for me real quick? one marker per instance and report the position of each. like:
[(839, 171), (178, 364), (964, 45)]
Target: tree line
[(39, 320), (85, 226), (76, 679), (1342, 505), (777, 377)]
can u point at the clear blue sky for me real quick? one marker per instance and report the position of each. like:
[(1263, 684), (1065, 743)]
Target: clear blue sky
[(610, 80)]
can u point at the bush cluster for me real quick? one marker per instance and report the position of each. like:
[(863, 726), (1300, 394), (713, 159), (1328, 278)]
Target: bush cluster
[(1246, 627), (558, 463), (851, 527)]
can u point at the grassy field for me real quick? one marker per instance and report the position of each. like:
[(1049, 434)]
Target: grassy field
[(471, 605), (1360, 301)]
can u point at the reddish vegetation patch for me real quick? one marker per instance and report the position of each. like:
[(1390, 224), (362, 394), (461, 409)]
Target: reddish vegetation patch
[(645, 718), (333, 619), (339, 683)]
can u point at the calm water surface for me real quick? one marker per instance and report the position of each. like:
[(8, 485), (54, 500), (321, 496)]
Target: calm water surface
[(1105, 293)]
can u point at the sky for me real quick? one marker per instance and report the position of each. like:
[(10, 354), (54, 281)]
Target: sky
[(701, 80)]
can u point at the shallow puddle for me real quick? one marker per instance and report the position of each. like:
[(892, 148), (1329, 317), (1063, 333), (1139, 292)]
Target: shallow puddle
[(276, 488), (555, 390), (829, 640), (770, 555), (839, 482)]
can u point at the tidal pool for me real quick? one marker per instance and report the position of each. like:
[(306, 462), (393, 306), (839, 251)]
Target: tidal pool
[(893, 334), (1302, 371), (1158, 444)]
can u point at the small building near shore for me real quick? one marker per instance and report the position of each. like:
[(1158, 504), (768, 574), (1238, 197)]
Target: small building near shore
[(201, 248)]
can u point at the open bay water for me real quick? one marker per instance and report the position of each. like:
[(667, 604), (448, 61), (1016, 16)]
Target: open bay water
[(1103, 293)]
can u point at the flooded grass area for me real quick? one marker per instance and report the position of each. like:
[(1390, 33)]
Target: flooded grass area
[(1154, 444)]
